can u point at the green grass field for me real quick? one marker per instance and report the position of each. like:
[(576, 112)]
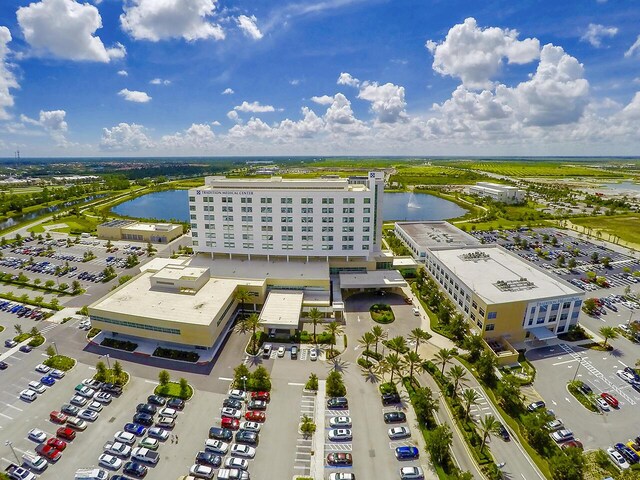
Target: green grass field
[(433, 175), (536, 169), (74, 225), (627, 227)]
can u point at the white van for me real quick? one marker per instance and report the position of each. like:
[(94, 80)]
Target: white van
[(35, 462), (91, 474), (416, 312), (28, 395)]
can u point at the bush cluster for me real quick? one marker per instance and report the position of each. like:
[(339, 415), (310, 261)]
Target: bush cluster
[(172, 354), (119, 344)]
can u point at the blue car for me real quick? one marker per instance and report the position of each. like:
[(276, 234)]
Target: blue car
[(407, 453), (629, 455), (48, 380), (135, 428)]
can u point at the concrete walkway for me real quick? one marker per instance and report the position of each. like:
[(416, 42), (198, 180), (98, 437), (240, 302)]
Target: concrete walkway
[(317, 459)]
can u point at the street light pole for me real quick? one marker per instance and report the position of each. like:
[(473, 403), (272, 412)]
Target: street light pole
[(55, 347), (108, 362), (578, 368), (244, 385), (10, 445)]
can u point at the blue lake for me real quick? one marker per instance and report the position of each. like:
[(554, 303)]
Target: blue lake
[(173, 205)]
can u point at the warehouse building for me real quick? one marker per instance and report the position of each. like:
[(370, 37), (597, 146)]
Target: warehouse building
[(133, 231), (498, 192)]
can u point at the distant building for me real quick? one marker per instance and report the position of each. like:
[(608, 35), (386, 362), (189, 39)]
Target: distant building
[(139, 232), (498, 193)]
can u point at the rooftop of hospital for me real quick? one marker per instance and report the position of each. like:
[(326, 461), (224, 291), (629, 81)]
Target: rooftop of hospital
[(283, 183), (436, 234)]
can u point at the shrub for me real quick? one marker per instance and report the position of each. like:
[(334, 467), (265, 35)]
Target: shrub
[(335, 386), (93, 332), (381, 313), (259, 380), (364, 363), (60, 362), (36, 341), (370, 353), (312, 383), (182, 355), (119, 344), (388, 387)]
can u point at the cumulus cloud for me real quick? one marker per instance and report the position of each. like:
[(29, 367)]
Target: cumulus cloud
[(596, 32), (322, 100), (125, 137), (228, 91), (475, 55), (233, 116), (198, 135), (633, 49), (387, 101), (53, 122), (156, 20), (134, 96), (160, 81), (347, 79), (339, 117), (65, 29), (7, 78), (249, 26), (294, 81), (123, 73), (254, 107)]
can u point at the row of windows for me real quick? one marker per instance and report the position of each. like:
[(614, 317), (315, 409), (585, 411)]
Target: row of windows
[(270, 246), (269, 219), (283, 200), (141, 326)]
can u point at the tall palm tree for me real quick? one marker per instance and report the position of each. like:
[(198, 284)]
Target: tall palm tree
[(469, 397), (314, 315), (444, 356), (418, 336), (334, 329), (412, 359), (242, 297), (397, 344), (394, 363), (249, 324), (457, 376), (488, 424), (367, 340), (379, 334), (608, 333)]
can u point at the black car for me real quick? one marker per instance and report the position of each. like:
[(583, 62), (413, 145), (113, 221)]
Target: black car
[(338, 402), (208, 458), (220, 433), (143, 419), (134, 468), (156, 400), (147, 408), (175, 403), (247, 437), (3, 365), (257, 405), (232, 403), (584, 388), (69, 409), (112, 388), (25, 348), (532, 407), (395, 417), (502, 431), (390, 398)]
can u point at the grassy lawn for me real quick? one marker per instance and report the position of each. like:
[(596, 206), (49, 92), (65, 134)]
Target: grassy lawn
[(433, 175), (1, 328), (74, 225), (627, 227), (172, 389), (60, 362), (535, 168), (110, 377)]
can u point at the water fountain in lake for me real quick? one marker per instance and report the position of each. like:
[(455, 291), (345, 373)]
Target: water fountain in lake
[(412, 201)]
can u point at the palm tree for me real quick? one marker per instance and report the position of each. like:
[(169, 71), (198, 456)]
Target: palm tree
[(367, 340), (457, 376), (469, 397), (314, 315), (394, 363), (242, 297), (333, 329), (397, 344), (249, 324), (418, 336), (412, 359), (488, 424), (444, 356), (378, 334), (608, 333)]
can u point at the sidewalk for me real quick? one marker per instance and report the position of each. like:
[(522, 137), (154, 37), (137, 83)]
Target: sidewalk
[(425, 324), (317, 459)]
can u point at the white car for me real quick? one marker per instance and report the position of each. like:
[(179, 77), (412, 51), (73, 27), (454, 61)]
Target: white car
[(604, 406), (342, 476), (237, 394), (313, 355), (86, 414), (165, 422), (168, 412), (626, 376), (231, 413), (625, 328), (340, 435), (411, 473), (117, 448), (201, 471), (125, 437), (251, 426), (159, 433), (235, 462), (244, 451), (28, 395), (37, 435), (37, 387), (563, 435), (55, 373), (78, 401), (340, 422), (41, 368), (281, 351), (554, 425), (109, 461), (617, 459), (103, 397), (95, 406), (85, 391), (216, 446), (396, 433)]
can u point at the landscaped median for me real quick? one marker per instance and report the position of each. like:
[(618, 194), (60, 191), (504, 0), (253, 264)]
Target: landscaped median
[(60, 362), (381, 313), (586, 401), (167, 388)]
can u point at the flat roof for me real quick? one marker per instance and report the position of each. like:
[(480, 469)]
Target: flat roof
[(429, 235), (138, 298), (374, 279), (282, 309), (158, 263), (152, 227), (498, 276), (217, 182), (180, 272), (262, 269)]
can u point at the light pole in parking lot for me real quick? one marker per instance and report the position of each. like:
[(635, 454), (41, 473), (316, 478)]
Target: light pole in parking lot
[(108, 362), (244, 385), (55, 347), (9, 444), (577, 368)]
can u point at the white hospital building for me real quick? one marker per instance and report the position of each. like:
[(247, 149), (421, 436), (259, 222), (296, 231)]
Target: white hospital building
[(498, 192)]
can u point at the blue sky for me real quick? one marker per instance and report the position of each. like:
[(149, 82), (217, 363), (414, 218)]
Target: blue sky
[(430, 77)]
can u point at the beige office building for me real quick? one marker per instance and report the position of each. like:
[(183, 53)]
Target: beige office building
[(133, 231)]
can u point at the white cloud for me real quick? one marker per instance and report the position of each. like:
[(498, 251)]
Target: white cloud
[(249, 27), (596, 32), (339, 117), (160, 81), (254, 107), (295, 82), (198, 135), (134, 96), (475, 55), (347, 79), (123, 73), (323, 100), (156, 20), (65, 29), (233, 116), (387, 101), (125, 137), (53, 122), (216, 123), (228, 91), (7, 78), (633, 49)]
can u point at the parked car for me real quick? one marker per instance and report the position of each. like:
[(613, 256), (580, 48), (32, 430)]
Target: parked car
[(257, 405), (394, 417), (230, 412), (238, 394), (117, 448), (201, 471), (339, 458), (618, 460), (57, 417), (340, 435), (37, 435), (208, 458), (143, 419), (281, 351), (48, 381), (342, 476), (147, 408), (390, 398), (235, 462), (125, 437), (562, 435), (572, 444), (610, 399), (89, 415), (145, 455), (76, 423), (57, 443), (244, 451), (232, 403), (411, 473), (628, 454), (66, 433), (397, 433), (584, 388), (158, 433), (216, 446), (230, 423), (313, 354), (554, 425), (135, 428), (109, 461), (176, 403), (340, 422), (220, 433), (41, 368), (156, 400), (264, 396), (338, 403), (407, 453), (604, 406), (255, 416), (70, 409), (165, 422), (247, 438), (135, 468), (532, 407)]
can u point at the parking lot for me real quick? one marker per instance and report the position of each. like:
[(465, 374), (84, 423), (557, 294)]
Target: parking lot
[(557, 365)]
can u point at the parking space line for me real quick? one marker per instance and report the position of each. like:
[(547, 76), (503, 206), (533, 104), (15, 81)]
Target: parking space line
[(5, 416)]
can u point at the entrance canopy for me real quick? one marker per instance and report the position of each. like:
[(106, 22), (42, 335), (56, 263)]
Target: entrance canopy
[(281, 310), (542, 333), (374, 279)]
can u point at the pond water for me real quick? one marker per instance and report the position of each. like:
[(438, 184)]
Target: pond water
[(173, 205)]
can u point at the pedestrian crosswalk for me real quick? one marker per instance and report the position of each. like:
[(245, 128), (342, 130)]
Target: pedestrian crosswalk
[(338, 447)]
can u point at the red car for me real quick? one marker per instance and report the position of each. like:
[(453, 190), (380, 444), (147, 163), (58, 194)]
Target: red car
[(66, 433), (57, 443), (57, 417), (610, 399), (339, 459), (47, 451), (255, 416), (266, 396), (230, 423), (572, 444)]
